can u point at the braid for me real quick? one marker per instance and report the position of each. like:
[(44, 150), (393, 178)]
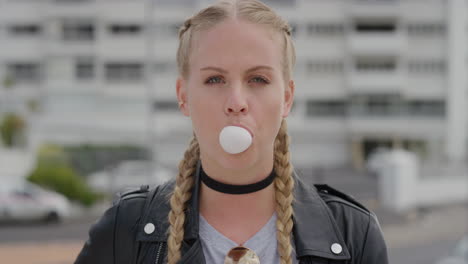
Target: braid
[(284, 184), (182, 193)]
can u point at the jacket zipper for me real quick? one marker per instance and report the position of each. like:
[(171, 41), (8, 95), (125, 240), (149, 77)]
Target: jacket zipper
[(158, 252)]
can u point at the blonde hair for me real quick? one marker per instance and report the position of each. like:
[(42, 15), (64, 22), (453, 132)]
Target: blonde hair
[(254, 12), (249, 10)]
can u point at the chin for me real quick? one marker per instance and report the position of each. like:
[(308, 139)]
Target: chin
[(239, 161)]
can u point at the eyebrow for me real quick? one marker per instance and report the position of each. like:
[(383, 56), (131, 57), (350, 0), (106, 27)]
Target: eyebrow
[(248, 71), (209, 68)]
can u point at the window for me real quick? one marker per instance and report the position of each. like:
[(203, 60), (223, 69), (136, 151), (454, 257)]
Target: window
[(375, 26), (84, 69), (81, 31), (426, 66), (167, 106), (426, 29), (24, 30), (324, 67), (394, 105), (174, 28), (325, 29), (375, 65), (125, 29), (167, 29), (426, 108), (379, 106), (416, 146), (124, 71), (23, 72), (325, 108), (164, 67), (376, 105)]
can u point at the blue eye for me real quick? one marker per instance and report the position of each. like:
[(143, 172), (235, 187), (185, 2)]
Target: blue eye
[(259, 80), (215, 79)]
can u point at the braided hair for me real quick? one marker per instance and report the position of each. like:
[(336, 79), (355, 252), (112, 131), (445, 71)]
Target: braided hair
[(256, 12)]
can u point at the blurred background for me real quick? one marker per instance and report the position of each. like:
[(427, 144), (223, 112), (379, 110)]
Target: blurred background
[(88, 108)]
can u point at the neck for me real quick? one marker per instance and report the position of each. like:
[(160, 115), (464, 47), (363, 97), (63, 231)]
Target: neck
[(237, 207), (237, 217), (238, 174)]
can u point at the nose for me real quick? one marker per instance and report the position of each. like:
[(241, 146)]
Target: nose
[(236, 102)]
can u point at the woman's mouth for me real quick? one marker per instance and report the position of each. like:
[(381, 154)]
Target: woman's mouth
[(235, 139)]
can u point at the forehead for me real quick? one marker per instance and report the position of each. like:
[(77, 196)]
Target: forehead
[(236, 43)]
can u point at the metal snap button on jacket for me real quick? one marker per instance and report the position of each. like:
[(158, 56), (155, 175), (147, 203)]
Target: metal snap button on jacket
[(149, 228), (336, 248)]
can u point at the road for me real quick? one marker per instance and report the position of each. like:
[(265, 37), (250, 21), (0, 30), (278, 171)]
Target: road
[(426, 253), (420, 238), (43, 244), (70, 230)]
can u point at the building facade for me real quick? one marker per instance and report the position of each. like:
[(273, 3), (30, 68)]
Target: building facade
[(369, 74)]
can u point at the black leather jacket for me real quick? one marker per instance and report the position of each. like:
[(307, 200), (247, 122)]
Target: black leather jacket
[(322, 217)]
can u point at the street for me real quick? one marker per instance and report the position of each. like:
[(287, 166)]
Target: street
[(422, 240), (422, 237), (76, 230), (418, 254)]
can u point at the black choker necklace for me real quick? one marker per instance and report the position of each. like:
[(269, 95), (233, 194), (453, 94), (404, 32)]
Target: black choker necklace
[(236, 189)]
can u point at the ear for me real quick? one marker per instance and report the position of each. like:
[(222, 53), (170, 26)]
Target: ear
[(181, 91), (288, 98)]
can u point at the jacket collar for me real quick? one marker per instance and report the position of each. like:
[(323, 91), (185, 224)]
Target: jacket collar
[(160, 208), (315, 229)]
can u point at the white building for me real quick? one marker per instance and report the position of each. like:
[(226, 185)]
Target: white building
[(369, 73)]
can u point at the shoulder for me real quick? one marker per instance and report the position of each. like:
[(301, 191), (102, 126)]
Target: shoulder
[(100, 246), (118, 223), (344, 219), (134, 202), (141, 195), (130, 205), (134, 194), (335, 198), (358, 225), (347, 211), (125, 210)]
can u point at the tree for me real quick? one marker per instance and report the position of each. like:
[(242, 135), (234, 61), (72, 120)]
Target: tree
[(12, 130)]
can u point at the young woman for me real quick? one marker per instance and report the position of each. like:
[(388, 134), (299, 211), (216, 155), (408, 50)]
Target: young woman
[(236, 198)]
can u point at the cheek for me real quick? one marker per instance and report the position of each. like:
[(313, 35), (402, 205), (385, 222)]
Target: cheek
[(197, 100), (205, 104), (274, 104), (270, 116), (205, 117)]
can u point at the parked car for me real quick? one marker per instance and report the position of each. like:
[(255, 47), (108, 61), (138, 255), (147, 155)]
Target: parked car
[(129, 173), (459, 255), (24, 201)]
